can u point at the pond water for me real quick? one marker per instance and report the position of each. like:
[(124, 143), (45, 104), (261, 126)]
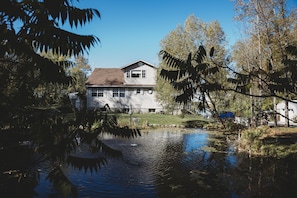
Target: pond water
[(181, 163)]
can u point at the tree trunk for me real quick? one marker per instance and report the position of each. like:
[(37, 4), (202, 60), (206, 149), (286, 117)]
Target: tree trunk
[(287, 113), (216, 115), (275, 112)]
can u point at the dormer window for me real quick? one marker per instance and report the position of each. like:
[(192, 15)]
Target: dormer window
[(135, 73)]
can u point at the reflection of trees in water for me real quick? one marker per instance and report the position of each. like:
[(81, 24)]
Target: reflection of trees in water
[(193, 173), (52, 141), (198, 173), (266, 177)]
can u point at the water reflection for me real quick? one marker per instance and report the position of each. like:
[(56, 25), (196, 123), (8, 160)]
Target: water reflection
[(183, 163)]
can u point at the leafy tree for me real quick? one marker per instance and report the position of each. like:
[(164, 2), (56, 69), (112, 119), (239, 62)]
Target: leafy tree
[(193, 78), (31, 135), (54, 93), (50, 93), (269, 27), (78, 72), (187, 39), (28, 28)]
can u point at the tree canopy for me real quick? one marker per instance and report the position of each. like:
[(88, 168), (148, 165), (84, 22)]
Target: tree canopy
[(34, 52), (185, 40), (265, 61), (29, 29)]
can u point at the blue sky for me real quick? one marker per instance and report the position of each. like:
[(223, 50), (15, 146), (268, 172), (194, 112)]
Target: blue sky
[(130, 30)]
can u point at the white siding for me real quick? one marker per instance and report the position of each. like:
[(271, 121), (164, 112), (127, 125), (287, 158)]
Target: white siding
[(144, 101), (140, 102), (281, 110), (150, 76)]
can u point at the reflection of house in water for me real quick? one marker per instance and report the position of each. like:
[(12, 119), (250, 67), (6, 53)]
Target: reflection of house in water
[(144, 155), (124, 88)]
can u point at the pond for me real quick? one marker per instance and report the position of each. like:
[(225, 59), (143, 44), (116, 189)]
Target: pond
[(181, 163)]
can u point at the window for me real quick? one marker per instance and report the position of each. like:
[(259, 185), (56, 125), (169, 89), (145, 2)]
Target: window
[(152, 110), (115, 92), (94, 93), (97, 92), (118, 92), (138, 91), (122, 92), (135, 73), (128, 74), (100, 92)]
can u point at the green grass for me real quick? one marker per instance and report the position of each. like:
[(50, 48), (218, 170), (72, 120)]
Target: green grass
[(162, 120)]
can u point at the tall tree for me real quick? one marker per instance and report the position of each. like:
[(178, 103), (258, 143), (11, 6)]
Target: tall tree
[(264, 71), (192, 77), (32, 136), (30, 27), (270, 25), (79, 72), (187, 39)]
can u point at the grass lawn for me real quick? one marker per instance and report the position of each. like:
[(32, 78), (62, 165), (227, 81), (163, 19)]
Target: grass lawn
[(141, 120)]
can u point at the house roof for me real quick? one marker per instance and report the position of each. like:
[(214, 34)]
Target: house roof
[(136, 64), (106, 76)]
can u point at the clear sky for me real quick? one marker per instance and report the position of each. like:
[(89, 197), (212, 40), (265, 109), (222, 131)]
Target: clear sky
[(130, 30)]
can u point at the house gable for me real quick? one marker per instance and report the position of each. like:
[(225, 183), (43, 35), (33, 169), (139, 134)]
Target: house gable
[(137, 64), (139, 73)]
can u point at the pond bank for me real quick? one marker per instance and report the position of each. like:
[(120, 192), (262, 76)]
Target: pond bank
[(148, 120), (276, 142), (261, 141)]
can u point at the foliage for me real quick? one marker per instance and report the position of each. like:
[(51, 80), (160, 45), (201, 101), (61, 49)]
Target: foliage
[(190, 75), (265, 61), (78, 73), (28, 28), (49, 93), (184, 40), (260, 58), (269, 142), (277, 82), (34, 52), (193, 78), (51, 138)]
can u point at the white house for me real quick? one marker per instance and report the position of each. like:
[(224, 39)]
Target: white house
[(123, 89), (281, 109)]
